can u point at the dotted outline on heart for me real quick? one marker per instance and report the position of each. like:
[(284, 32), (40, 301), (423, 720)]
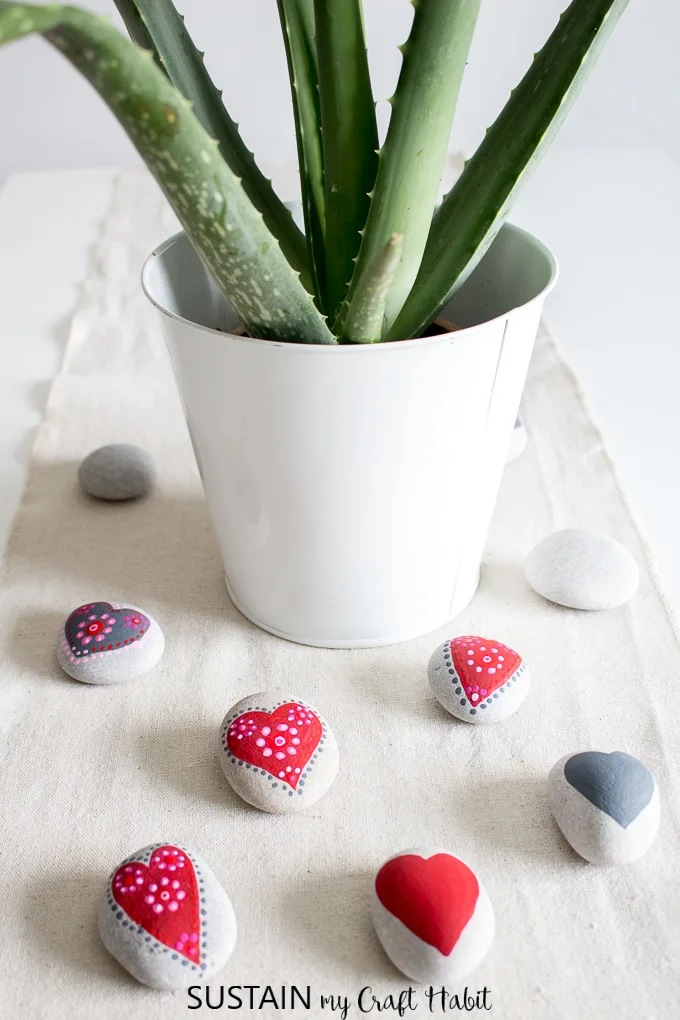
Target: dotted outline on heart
[(274, 782), (457, 682), (136, 645), (125, 921)]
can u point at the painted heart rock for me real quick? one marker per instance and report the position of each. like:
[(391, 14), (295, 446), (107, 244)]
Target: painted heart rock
[(104, 643), (606, 804), (478, 680), (277, 753), (166, 918), (432, 915)]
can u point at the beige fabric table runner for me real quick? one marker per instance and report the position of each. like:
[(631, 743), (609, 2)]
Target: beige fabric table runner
[(92, 774)]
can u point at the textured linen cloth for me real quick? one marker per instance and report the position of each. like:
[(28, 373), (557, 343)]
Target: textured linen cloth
[(89, 774)]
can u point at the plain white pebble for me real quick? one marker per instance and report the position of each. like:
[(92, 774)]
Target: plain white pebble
[(582, 570), (117, 472)]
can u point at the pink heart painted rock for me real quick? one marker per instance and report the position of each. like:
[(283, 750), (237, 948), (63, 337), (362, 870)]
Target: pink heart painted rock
[(432, 915), (166, 918), (277, 753), (104, 643), (478, 680)]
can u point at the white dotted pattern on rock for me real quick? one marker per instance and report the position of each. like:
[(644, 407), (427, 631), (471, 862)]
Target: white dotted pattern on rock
[(606, 805), (106, 643), (167, 919), (432, 915), (116, 472), (277, 753), (582, 570), (478, 680)]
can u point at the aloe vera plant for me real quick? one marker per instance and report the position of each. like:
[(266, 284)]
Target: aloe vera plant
[(376, 261)]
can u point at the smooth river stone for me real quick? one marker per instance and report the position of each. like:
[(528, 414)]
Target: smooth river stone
[(518, 442), (582, 570), (277, 753), (117, 471), (166, 918), (606, 804), (477, 679), (104, 643), (432, 915)]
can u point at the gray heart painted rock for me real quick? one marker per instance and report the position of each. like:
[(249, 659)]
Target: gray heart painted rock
[(607, 805), (615, 783), (104, 643), (478, 680), (166, 918), (277, 752)]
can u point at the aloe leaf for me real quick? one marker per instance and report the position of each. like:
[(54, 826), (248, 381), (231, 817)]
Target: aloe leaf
[(297, 25), (412, 158), (350, 137), (227, 232), (134, 22), (365, 320), (156, 25), (476, 207)]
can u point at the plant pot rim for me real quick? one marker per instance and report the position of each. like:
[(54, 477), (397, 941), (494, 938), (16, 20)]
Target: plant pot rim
[(331, 350)]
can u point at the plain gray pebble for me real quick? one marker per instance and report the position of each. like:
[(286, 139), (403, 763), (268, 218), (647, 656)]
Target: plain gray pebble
[(582, 570), (117, 471)]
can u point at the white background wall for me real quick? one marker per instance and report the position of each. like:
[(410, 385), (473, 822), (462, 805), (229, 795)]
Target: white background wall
[(51, 118)]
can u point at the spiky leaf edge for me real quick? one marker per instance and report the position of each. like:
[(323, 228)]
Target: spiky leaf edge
[(476, 207), (158, 26), (350, 137), (412, 157), (226, 230), (365, 320), (297, 27)]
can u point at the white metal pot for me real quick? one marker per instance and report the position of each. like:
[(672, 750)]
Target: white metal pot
[(352, 487)]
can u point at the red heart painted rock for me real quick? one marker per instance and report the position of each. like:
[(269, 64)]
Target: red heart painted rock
[(434, 896), (280, 742), (432, 915), (278, 754), (104, 643), (162, 897), (479, 680), (166, 918)]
